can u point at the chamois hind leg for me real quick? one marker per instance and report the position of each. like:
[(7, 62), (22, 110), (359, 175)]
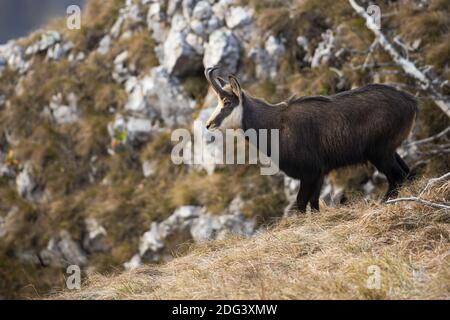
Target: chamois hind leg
[(394, 172), (402, 163), (396, 177), (410, 174), (307, 188), (314, 201)]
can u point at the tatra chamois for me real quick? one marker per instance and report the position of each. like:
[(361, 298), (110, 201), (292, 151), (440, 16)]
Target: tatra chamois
[(318, 134)]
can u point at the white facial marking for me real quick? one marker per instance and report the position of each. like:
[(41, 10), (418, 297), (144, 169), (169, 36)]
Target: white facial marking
[(234, 119), (215, 114)]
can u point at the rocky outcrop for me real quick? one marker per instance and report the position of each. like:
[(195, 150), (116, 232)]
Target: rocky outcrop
[(105, 45), (210, 227), (129, 18), (148, 168), (132, 130), (222, 48), (62, 113), (159, 97), (52, 43), (26, 185), (188, 35), (238, 17), (121, 73), (48, 40), (180, 58), (63, 251), (95, 237), (12, 56), (18, 58), (267, 58), (156, 18), (194, 34), (189, 223)]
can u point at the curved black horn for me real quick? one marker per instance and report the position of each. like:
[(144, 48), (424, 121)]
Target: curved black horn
[(210, 77)]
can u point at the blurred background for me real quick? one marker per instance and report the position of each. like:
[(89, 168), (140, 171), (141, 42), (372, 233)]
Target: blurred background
[(19, 17)]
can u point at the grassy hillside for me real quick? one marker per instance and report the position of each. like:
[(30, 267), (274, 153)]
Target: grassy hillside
[(318, 256)]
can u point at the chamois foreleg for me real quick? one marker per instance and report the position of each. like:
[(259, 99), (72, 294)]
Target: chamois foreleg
[(309, 189), (314, 202)]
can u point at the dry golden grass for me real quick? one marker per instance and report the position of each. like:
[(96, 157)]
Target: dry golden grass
[(317, 256)]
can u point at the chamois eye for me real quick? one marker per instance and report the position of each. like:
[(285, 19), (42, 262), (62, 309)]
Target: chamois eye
[(226, 103)]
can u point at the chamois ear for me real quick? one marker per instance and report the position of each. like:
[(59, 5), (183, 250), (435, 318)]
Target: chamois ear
[(221, 81), (235, 86)]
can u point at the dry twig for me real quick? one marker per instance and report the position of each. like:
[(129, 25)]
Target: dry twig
[(408, 66)]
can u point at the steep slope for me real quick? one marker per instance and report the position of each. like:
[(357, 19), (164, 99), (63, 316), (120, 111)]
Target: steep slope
[(331, 255)]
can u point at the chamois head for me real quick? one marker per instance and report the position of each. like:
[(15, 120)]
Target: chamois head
[(228, 113)]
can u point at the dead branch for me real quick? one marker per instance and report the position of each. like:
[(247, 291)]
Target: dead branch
[(436, 151), (430, 139), (374, 65), (408, 66), (369, 55), (433, 181), (418, 199)]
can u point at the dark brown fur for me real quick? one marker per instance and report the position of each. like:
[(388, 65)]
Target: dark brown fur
[(319, 134)]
